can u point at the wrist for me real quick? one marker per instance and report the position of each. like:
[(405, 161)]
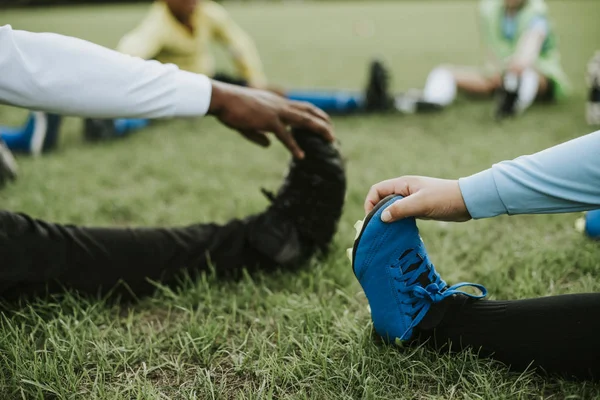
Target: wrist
[(461, 205), (217, 100), (480, 194)]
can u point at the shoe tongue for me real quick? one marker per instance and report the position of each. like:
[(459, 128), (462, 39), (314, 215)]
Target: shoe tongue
[(423, 279), (434, 316)]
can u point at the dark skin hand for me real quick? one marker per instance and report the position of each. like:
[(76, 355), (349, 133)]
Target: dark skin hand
[(255, 113)]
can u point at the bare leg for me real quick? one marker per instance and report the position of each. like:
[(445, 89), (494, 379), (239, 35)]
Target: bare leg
[(472, 81), (445, 81)]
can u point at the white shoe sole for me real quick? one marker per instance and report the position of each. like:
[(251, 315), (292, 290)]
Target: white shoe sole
[(40, 128), (7, 161)]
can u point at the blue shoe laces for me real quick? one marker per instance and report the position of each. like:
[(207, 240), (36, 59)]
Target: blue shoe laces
[(419, 298)]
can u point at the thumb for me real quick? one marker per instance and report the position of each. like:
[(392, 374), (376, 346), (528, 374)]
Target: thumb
[(410, 206)]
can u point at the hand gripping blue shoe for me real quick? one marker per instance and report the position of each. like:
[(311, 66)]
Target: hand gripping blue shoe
[(394, 270)]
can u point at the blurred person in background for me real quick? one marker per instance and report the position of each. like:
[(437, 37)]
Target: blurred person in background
[(300, 222), (523, 63), (590, 222), (181, 32)]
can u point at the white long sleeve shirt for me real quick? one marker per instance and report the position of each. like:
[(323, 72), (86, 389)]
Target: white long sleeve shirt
[(61, 74)]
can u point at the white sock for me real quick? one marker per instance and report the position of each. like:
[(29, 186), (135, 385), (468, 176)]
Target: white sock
[(510, 82), (440, 87), (530, 83)]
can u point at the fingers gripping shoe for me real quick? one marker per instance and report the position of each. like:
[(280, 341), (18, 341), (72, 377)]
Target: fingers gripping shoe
[(399, 280), (311, 197)]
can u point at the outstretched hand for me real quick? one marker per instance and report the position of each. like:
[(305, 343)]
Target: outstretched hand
[(426, 198), (254, 113)]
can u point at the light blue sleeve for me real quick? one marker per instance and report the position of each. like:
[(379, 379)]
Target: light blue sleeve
[(564, 178)]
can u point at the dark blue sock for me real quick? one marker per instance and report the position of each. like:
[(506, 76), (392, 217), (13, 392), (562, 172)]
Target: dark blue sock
[(330, 101), (18, 138), (123, 126)]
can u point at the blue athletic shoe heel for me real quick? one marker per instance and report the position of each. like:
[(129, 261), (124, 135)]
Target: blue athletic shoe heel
[(393, 268), (590, 224), (43, 135), (38, 135)]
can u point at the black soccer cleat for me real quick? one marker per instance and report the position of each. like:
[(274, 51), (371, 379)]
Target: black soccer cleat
[(593, 103), (304, 214), (412, 102), (508, 96), (593, 106), (54, 122), (8, 165), (96, 129), (377, 93)]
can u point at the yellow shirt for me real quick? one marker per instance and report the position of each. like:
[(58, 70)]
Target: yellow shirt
[(162, 37)]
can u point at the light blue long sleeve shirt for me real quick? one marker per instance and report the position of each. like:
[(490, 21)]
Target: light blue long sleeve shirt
[(564, 178)]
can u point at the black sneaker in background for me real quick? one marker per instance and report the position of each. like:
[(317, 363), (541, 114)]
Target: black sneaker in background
[(52, 132), (377, 93), (96, 129), (507, 97), (593, 103)]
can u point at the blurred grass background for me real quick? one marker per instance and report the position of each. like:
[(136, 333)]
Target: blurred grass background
[(305, 335)]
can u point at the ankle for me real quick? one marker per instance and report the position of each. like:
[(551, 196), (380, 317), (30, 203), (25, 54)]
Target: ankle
[(442, 311)]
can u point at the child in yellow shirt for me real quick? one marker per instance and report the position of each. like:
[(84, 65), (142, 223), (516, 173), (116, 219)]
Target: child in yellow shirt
[(181, 32)]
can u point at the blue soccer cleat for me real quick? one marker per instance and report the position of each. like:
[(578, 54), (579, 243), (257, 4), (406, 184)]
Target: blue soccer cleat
[(38, 135), (399, 280)]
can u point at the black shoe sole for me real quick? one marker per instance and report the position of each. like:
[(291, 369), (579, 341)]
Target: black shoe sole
[(96, 130)]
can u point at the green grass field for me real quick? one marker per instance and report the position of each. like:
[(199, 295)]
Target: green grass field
[(306, 334)]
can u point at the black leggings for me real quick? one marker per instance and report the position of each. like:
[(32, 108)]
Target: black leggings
[(558, 334), (35, 255)]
